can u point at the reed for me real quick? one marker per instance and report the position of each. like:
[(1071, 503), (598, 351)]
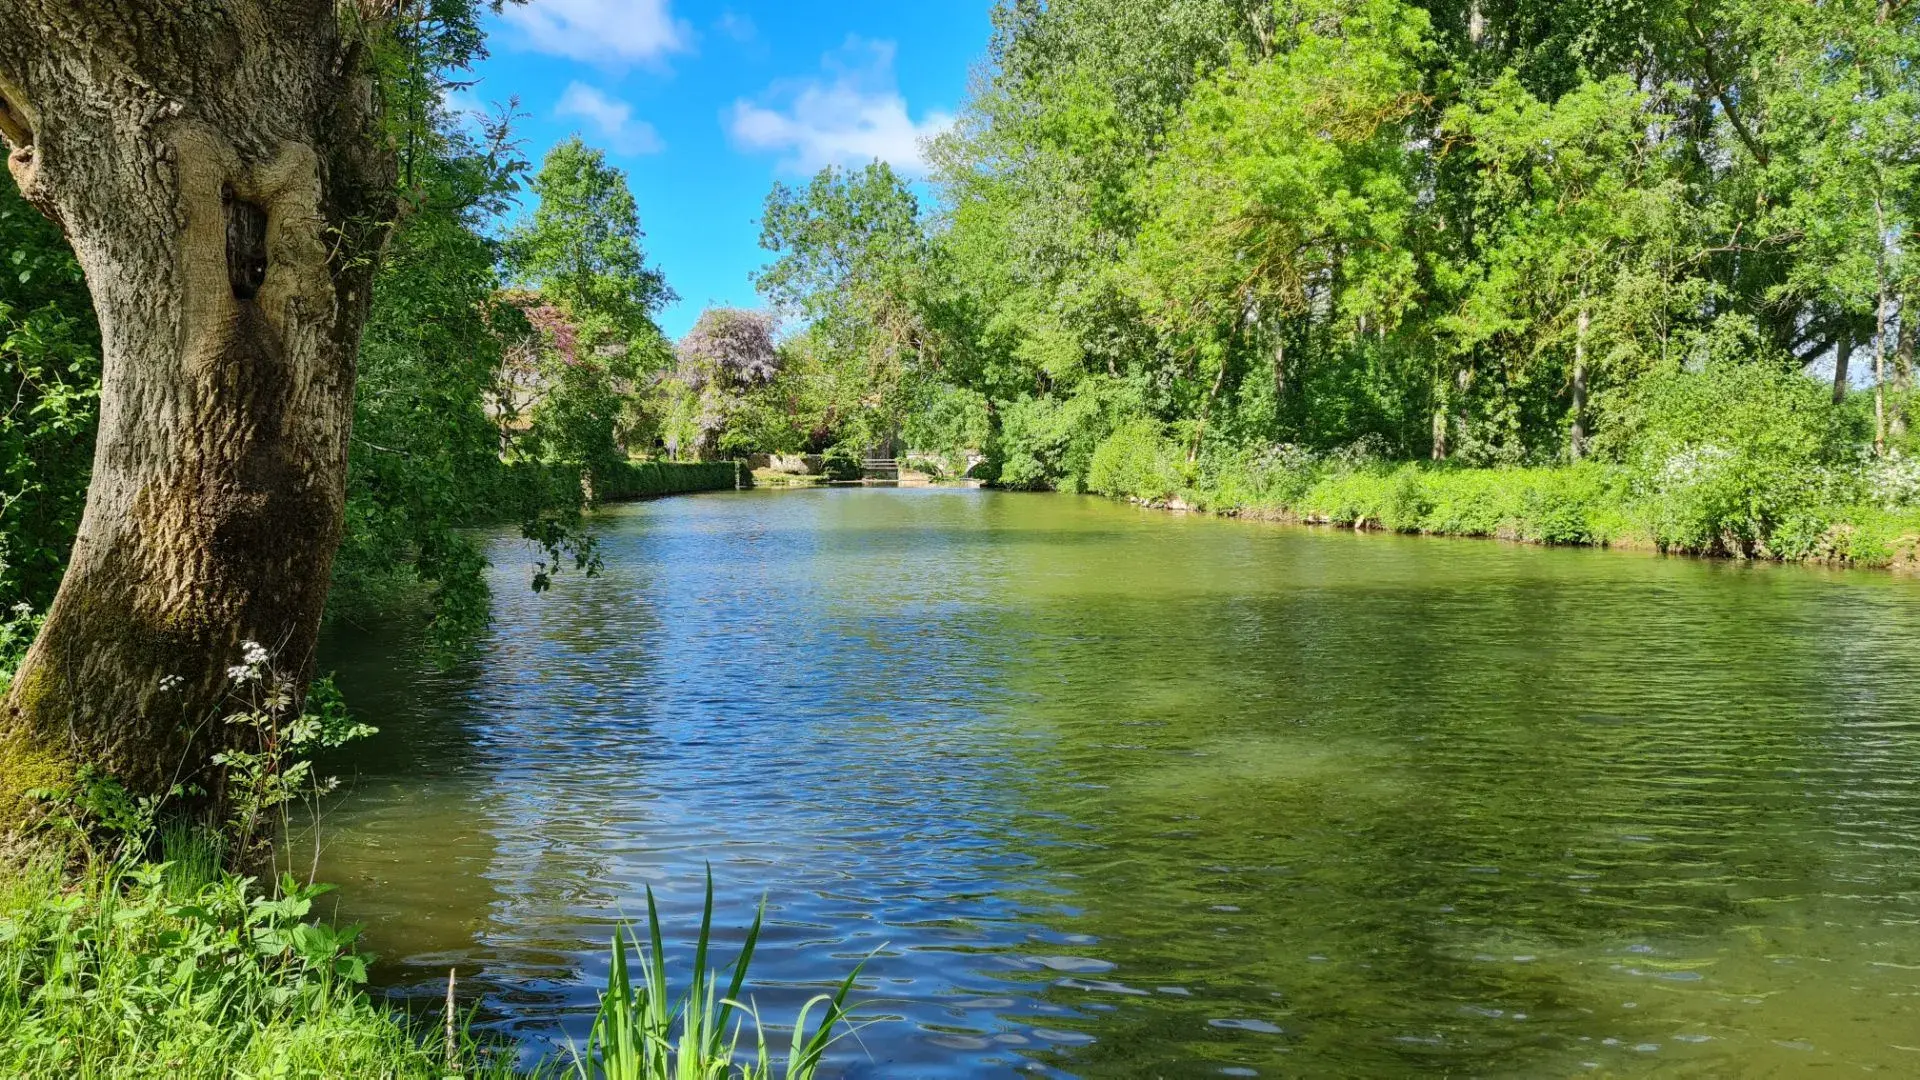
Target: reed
[(645, 1031)]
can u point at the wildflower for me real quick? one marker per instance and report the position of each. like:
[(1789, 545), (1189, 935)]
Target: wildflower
[(253, 653), (169, 683), (241, 673)]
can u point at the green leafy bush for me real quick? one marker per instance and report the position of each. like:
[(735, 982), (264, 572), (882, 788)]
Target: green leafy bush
[(840, 463), (645, 479), (1049, 445), (177, 970), (1135, 461), (1727, 454), (50, 376)]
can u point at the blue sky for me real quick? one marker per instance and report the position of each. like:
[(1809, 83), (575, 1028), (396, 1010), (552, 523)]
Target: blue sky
[(706, 103)]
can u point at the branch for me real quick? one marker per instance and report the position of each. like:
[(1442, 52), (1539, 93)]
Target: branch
[(1719, 86)]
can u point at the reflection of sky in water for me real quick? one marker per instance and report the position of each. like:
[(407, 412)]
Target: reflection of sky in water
[(1122, 794)]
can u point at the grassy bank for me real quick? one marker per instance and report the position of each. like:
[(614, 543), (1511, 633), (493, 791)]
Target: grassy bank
[(132, 948), (179, 969), (175, 969), (1864, 512)]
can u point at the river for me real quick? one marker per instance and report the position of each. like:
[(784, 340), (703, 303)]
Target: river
[(1114, 793)]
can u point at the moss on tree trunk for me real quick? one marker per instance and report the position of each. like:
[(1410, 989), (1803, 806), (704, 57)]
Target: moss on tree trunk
[(216, 167)]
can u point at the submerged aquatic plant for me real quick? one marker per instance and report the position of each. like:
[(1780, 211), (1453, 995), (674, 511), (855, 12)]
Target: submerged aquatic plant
[(645, 1032)]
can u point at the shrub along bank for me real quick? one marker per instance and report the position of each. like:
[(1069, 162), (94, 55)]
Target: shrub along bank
[(1592, 504), (1713, 467), (176, 969), (534, 484)]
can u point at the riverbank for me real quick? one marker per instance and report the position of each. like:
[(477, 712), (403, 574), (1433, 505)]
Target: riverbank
[(528, 483), (176, 968), (120, 968), (1861, 518)]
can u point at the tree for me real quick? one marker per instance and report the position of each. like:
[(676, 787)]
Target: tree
[(222, 174), (1576, 211), (853, 263), (724, 361), (1283, 196), (582, 248), (425, 457), (579, 255)]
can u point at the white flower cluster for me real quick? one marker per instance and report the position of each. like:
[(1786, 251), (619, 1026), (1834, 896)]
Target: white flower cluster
[(1288, 457), (1893, 481), (170, 683), (1693, 465), (252, 665)]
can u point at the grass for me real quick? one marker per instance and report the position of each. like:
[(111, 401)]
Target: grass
[(1613, 506), (180, 969), (1706, 501), (162, 970)]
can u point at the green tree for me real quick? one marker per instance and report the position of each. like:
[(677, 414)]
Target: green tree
[(1583, 229), (425, 459), (1283, 197), (580, 255), (230, 288), (853, 262)]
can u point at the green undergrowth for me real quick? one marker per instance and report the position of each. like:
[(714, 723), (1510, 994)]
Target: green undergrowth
[(1695, 500), (178, 968)]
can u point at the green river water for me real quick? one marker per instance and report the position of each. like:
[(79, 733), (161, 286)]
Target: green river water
[(1114, 793)]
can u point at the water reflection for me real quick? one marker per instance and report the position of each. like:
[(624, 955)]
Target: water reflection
[(1110, 793)]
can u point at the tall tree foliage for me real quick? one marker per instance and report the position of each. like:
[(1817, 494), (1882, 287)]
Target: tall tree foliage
[(425, 456), (580, 253), (851, 264), (1469, 229)]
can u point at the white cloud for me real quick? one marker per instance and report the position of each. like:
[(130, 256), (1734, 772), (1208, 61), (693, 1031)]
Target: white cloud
[(610, 119), (850, 118), (741, 28), (619, 31), (464, 105)]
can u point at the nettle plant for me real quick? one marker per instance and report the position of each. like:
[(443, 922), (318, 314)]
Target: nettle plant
[(278, 734)]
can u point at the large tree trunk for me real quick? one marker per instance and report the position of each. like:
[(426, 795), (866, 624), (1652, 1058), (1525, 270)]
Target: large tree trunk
[(216, 166)]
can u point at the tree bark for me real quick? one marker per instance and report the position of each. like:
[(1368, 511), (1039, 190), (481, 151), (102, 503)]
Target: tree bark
[(1880, 335), (1577, 444), (1279, 374), (217, 167), (1908, 335), (1880, 375), (1842, 355)]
